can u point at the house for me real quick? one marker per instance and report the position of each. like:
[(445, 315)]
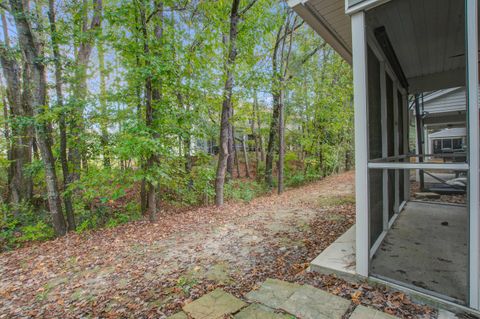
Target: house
[(401, 50), (448, 140), (444, 121)]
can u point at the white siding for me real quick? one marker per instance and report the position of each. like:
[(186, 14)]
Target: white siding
[(452, 101)]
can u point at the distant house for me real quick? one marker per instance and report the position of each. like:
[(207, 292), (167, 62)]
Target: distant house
[(445, 106), (444, 117), (449, 140)]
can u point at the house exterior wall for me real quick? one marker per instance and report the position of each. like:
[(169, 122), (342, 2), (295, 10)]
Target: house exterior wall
[(453, 101)]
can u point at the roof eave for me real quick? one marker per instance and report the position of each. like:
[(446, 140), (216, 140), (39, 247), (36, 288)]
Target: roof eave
[(303, 9)]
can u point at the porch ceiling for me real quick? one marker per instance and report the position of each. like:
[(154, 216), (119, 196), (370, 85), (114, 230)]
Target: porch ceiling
[(428, 36)]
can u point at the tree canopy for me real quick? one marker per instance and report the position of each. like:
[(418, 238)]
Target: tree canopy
[(117, 110)]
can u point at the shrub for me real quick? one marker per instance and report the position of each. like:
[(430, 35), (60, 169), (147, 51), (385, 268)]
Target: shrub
[(37, 232), (244, 190)]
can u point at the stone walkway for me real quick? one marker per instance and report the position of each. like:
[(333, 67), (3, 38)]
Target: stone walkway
[(277, 299)]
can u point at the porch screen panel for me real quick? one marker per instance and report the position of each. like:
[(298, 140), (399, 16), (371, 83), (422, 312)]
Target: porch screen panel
[(390, 144), (401, 148), (375, 147)]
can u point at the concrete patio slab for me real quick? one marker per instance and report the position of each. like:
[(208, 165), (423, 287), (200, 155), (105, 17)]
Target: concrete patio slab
[(273, 293), (427, 249), (444, 314), (257, 311), (311, 303), (362, 312), (214, 305), (338, 258)]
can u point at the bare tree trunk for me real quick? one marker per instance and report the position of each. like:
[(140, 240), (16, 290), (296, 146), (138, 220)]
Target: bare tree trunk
[(76, 152), (281, 125), (271, 141), (245, 153), (34, 60), (103, 105), (231, 145), (8, 142), (256, 135), (281, 143), (235, 153), (152, 94), (259, 128), (20, 185), (62, 126), (225, 131)]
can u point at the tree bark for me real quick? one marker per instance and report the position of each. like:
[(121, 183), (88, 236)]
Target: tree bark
[(245, 153), (77, 150), (103, 105), (20, 185), (62, 125), (272, 136), (153, 94), (37, 76), (231, 146), (235, 153), (255, 133), (225, 131), (281, 142)]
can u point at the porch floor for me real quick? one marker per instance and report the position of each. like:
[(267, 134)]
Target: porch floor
[(427, 248)]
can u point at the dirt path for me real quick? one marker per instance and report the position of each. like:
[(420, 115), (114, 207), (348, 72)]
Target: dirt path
[(151, 270)]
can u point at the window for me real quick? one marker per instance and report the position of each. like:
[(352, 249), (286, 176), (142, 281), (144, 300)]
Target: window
[(457, 144), (446, 144)]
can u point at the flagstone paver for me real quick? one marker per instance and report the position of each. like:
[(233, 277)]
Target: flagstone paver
[(311, 303), (257, 311), (179, 315), (362, 312), (273, 293), (214, 305)]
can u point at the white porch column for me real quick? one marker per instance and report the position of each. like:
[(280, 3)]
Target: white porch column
[(406, 143), (360, 78), (396, 107), (473, 150), (385, 134)]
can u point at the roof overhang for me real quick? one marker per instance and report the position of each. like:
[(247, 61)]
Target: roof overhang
[(428, 40), (332, 24)]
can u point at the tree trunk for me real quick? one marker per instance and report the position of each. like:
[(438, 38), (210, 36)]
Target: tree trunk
[(103, 105), (152, 94), (20, 186), (271, 140), (225, 131), (231, 146), (256, 135), (235, 153), (281, 142), (62, 126), (77, 126), (34, 60), (245, 153)]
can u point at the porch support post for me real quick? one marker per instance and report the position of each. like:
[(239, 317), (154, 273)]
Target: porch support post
[(385, 135), (360, 78), (406, 146), (396, 107), (473, 150)]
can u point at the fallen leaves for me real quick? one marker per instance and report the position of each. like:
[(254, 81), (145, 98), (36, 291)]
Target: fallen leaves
[(145, 270)]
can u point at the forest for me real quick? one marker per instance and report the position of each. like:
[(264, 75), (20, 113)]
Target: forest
[(120, 110)]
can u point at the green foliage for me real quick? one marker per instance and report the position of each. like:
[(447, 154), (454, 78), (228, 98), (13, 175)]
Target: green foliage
[(186, 69), (27, 224), (38, 232), (244, 190)]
